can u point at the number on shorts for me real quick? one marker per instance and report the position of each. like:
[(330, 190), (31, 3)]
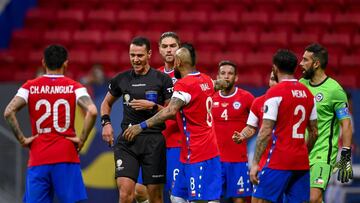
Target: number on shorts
[(55, 111), (192, 183), (241, 182), (295, 134), (175, 173)]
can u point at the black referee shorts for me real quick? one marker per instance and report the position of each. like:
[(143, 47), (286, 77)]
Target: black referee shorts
[(147, 151)]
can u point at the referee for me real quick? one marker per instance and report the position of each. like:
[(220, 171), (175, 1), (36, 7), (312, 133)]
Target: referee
[(144, 90)]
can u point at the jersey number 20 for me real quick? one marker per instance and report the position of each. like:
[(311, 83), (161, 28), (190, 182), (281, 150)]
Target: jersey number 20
[(55, 111)]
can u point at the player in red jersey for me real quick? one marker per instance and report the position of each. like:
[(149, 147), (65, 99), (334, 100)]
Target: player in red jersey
[(254, 121), (289, 109), (199, 178), (230, 110), (168, 44), (51, 100)]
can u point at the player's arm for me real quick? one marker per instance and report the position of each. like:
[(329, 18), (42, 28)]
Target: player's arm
[(88, 106), (15, 105), (166, 113), (346, 132), (220, 84), (313, 134), (105, 110), (246, 133), (263, 139)]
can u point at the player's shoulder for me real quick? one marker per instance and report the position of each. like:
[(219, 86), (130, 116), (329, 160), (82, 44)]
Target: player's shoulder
[(333, 83), (122, 75), (260, 99), (304, 81), (244, 93)]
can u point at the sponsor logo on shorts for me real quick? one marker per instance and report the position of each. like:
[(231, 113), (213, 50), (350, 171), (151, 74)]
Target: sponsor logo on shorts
[(193, 193), (319, 181), (157, 175), (118, 165), (240, 191)]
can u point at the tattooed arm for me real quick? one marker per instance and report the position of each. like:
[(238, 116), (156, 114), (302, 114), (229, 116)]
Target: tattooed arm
[(15, 105), (313, 133), (89, 107), (160, 117), (261, 143)]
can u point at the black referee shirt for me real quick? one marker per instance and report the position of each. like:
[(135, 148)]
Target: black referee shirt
[(156, 85)]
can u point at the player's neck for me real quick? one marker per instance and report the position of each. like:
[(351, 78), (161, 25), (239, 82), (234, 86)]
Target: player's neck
[(55, 72), (188, 71), (318, 78), (228, 92), (169, 67), (285, 77)]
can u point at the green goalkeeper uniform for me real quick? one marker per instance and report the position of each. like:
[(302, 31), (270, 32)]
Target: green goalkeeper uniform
[(331, 106)]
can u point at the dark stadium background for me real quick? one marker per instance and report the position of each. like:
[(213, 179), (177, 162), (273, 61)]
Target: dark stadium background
[(99, 31)]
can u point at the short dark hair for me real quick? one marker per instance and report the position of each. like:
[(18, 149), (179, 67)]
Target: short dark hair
[(285, 60), (227, 62), (320, 53), (54, 56), (191, 49), (140, 41), (169, 34)]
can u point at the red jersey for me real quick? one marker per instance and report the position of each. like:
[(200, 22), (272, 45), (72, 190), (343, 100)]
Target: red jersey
[(172, 133), (51, 101), (255, 120), (291, 105), (195, 119), (230, 114)]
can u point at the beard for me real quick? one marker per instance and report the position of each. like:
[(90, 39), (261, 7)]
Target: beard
[(231, 85), (177, 73), (309, 73)]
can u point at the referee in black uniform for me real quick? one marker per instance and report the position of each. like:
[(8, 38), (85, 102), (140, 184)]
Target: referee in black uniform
[(145, 91)]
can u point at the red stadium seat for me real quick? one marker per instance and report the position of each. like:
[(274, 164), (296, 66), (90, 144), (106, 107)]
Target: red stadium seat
[(40, 18), (303, 39), (132, 20), (79, 59), (262, 60), (211, 41), (350, 61), (285, 21), (317, 22), (161, 20), (236, 57), (87, 39), (250, 78), (63, 37), (205, 61), (254, 21), (109, 58), (272, 41), (118, 40), (346, 81), (186, 36), (347, 22), (26, 39), (71, 19), (242, 41), (341, 40), (197, 17), (101, 19), (223, 20)]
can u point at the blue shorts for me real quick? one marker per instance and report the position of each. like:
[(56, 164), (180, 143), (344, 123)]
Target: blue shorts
[(199, 181), (172, 167), (235, 179), (294, 186), (62, 179)]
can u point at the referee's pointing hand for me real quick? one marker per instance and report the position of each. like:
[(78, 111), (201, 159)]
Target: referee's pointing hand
[(130, 133)]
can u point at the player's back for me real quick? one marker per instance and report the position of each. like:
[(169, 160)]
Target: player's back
[(295, 105), (195, 119), (52, 102)]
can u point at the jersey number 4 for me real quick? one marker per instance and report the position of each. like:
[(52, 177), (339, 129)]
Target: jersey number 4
[(55, 111), (298, 109)]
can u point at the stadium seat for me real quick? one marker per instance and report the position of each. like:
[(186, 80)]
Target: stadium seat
[(236, 57), (205, 61), (132, 20), (316, 21), (271, 41), (79, 59), (101, 19), (108, 58), (63, 37), (346, 81), (242, 41), (40, 18), (119, 39), (339, 40), (71, 19), (347, 22), (303, 39), (161, 20), (87, 39), (224, 21), (285, 21), (262, 60), (254, 21), (196, 17), (253, 79), (26, 39), (210, 41), (350, 61)]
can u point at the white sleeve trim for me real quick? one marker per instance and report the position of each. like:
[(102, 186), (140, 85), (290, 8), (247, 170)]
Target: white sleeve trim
[(271, 108), (184, 96), (313, 115), (23, 93), (81, 92), (252, 120)]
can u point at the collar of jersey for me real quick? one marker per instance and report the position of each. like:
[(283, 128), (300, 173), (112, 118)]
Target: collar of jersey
[(167, 72), (288, 80), (194, 73), (53, 76), (228, 96)]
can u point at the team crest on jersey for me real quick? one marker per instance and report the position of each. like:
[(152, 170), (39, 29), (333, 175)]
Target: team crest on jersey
[(224, 104), (236, 105), (319, 97)]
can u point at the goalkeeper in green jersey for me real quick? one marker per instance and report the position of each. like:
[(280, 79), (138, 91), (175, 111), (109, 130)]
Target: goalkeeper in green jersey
[(333, 113)]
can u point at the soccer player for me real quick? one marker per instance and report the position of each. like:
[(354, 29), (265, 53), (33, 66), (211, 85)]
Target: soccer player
[(254, 122), (144, 90), (290, 107), (333, 113), (199, 177), (53, 165), (230, 110), (168, 44)]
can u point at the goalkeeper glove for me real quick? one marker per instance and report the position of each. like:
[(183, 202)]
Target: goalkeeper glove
[(345, 172)]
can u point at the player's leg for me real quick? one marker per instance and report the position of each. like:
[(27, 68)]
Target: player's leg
[(126, 171), (272, 185), (172, 170), (38, 187), (68, 182), (319, 178), (203, 180), (153, 163), (298, 189), (141, 194)]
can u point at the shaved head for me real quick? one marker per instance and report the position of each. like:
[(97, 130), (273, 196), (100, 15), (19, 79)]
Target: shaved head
[(183, 55)]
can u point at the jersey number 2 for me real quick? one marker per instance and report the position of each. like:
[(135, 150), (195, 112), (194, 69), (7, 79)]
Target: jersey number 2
[(55, 111), (298, 109)]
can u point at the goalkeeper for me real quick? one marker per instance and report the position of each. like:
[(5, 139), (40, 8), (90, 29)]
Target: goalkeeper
[(333, 113)]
